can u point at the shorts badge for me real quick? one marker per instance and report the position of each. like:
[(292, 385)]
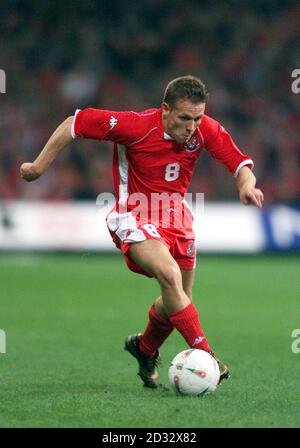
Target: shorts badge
[(191, 249)]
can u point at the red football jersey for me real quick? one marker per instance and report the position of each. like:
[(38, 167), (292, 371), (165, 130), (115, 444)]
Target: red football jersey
[(146, 159)]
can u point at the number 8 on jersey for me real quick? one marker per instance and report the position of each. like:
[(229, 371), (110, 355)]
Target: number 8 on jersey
[(172, 171)]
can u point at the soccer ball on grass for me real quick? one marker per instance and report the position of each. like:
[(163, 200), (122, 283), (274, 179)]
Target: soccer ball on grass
[(194, 372)]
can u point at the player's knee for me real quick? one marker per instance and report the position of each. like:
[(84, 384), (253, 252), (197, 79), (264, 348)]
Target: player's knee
[(169, 276)]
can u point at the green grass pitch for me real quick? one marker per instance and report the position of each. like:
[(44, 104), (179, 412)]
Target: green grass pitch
[(66, 318)]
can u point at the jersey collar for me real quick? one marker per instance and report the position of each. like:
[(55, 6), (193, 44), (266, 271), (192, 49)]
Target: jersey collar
[(167, 136)]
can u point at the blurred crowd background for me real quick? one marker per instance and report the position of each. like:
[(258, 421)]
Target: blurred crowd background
[(120, 55)]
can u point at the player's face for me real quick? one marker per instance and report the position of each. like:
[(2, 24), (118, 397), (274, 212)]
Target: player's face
[(181, 121)]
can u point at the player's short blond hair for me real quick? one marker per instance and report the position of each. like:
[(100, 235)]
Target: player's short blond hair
[(185, 88)]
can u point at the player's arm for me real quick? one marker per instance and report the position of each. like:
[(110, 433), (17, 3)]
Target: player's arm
[(97, 124), (60, 138), (222, 148), (246, 182)]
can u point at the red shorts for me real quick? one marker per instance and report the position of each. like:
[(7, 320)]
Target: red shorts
[(125, 230)]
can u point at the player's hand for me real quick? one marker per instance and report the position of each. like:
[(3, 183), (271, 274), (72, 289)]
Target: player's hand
[(29, 171), (252, 196)]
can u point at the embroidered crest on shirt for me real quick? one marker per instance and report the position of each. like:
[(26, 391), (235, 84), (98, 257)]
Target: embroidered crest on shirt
[(192, 144), (112, 122)]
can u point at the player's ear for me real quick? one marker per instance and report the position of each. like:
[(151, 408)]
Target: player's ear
[(165, 107)]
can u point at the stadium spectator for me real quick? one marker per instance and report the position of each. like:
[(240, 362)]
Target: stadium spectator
[(120, 55)]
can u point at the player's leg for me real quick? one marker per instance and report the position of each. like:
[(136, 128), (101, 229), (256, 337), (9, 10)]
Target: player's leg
[(144, 347), (155, 258), (159, 326), (187, 282)]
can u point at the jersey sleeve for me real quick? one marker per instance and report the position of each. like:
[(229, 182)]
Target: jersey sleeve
[(97, 124), (219, 144)]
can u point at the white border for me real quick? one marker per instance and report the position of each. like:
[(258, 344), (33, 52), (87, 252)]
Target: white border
[(73, 125), (245, 162)]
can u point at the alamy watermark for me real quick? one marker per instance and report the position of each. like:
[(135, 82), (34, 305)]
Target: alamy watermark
[(296, 83), (2, 341), (161, 210), (2, 81), (296, 342)]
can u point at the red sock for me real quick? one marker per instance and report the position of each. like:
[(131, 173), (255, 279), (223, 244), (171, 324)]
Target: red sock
[(187, 322), (157, 331)]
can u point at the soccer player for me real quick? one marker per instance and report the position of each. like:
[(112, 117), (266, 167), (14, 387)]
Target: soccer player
[(155, 153)]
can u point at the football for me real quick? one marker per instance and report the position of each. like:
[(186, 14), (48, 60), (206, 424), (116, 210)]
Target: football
[(194, 372)]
